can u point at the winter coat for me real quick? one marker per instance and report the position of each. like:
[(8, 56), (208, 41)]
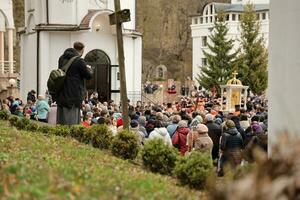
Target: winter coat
[(214, 132), (200, 142), (73, 91), (231, 145), (180, 139), (161, 133), (172, 129), (42, 108)]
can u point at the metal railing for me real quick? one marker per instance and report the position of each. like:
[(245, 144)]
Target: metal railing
[(6, 67)]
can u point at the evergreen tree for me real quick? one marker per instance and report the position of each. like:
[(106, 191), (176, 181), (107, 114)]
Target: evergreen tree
[(220, 59), (254, 55)]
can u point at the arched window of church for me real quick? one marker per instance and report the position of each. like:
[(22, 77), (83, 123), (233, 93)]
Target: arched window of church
[(160, 73)]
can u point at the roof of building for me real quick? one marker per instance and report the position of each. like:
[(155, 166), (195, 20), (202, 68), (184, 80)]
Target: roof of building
[(238, 7)]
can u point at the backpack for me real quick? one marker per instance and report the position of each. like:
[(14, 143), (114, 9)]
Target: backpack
[(57, 77)]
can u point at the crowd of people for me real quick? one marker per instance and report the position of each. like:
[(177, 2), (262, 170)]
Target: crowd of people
[(195, 123), (186, 125)]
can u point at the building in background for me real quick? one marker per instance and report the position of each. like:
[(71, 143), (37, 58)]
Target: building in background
[(8, 75), (51, 26), (202, 26)]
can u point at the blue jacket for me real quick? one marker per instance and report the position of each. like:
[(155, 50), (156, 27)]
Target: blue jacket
[(42, 108), (172, 129)]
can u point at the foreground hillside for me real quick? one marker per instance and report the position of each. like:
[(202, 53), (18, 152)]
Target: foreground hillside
[(34, 166)]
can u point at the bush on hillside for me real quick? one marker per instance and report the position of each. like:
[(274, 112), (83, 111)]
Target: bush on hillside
[(60, 130), (32, 127), (78, 132), (194, 169), (13, 120), (159, 157), (125, 145), (22, 123), (98, 136), (4, 114), (45, 129)]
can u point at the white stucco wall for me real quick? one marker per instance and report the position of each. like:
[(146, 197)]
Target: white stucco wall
[(7, 11), (284, 70), (28, 65)]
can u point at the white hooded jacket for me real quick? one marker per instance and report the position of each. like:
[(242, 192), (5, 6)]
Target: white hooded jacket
[(161, 133)]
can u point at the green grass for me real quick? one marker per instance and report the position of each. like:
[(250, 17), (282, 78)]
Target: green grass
[(34, 166)]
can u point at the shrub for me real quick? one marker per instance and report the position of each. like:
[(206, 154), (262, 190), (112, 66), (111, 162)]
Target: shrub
[(32, 127), (45, 129), (60, 131), (98, 136), (22, 123), (194, 169), (78, 132), (13, 120), (125, 145), (159, 157), (4, 114)]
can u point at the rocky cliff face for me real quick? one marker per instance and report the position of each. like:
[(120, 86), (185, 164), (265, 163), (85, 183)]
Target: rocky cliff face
[(167, 38)]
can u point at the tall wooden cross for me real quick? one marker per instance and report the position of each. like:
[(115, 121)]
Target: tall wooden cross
[(118, 18)]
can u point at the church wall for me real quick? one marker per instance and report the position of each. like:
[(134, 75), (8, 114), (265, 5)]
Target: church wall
[(28, 64), (62, 13), (133, 63)]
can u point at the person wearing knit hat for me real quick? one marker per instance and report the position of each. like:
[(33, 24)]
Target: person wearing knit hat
[(229, 124), (202, 129), (197, 120), (182, 124)]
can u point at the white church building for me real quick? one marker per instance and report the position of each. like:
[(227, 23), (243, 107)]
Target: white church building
[(202, 26), (51, 26)]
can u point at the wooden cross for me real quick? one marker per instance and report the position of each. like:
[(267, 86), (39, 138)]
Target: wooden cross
[(118, 18)]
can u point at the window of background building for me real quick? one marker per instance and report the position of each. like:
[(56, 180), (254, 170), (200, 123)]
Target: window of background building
[(227, 17), (204, 61), (263, 16), (233, 17), (204, 41), (196, 21)]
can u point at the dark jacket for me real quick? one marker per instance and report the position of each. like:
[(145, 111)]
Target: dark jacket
[(232, 145), (214, 132), (73, 91)]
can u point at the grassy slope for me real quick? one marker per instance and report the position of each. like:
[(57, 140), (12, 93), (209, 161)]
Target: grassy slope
[(33, 166)]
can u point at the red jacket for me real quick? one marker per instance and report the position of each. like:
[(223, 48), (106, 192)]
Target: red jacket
[(180, 138)]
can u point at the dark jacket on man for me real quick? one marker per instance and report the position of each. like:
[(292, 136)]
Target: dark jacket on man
[(214, 132), (232, 145), (73, 92)]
